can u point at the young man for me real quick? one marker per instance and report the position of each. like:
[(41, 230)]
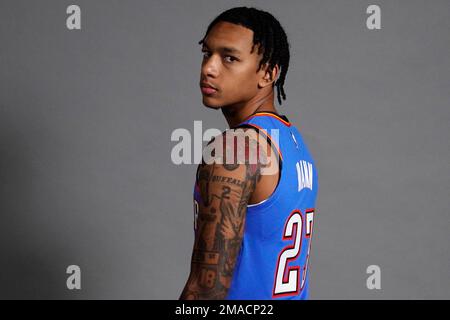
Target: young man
[(253, 225)]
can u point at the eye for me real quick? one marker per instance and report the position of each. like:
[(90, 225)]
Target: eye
[(230, 58)]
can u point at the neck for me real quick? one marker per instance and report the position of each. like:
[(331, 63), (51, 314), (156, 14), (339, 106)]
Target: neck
[(235, 114)]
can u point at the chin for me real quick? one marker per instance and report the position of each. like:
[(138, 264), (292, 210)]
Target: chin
[(210, 104)]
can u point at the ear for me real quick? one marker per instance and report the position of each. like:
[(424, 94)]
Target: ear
[(269, 76)]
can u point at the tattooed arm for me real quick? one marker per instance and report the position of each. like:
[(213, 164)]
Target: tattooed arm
[(225, 191)]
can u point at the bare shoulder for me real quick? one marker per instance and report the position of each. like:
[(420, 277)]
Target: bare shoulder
[(242, 146)]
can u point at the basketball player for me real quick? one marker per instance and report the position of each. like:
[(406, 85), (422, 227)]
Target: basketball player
[(253, 226)]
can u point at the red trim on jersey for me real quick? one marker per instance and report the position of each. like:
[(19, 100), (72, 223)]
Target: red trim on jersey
[(259, 114)]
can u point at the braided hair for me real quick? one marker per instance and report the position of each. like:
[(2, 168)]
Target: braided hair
[(267, 33)]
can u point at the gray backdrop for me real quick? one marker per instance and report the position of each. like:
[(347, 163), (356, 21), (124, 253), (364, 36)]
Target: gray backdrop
[(86, 117)]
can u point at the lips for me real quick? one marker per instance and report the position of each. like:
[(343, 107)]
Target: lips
[(208, 91), (207, 88)]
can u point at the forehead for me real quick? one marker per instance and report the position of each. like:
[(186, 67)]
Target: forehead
[(226, 34)]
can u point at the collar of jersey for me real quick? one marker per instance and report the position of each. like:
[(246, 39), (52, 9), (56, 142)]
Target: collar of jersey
[(282, 118)]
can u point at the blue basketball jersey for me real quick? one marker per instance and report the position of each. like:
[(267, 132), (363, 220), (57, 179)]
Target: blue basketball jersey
[(273, 260)]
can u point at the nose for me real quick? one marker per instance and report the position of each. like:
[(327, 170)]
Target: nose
[(210, 67)]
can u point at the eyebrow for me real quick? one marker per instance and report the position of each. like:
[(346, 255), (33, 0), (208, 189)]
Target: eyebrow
[(224, 49)]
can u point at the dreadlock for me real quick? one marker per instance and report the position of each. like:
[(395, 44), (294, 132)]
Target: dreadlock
[(268, 35)]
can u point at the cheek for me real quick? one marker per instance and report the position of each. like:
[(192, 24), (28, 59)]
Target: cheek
[(243, 84)]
